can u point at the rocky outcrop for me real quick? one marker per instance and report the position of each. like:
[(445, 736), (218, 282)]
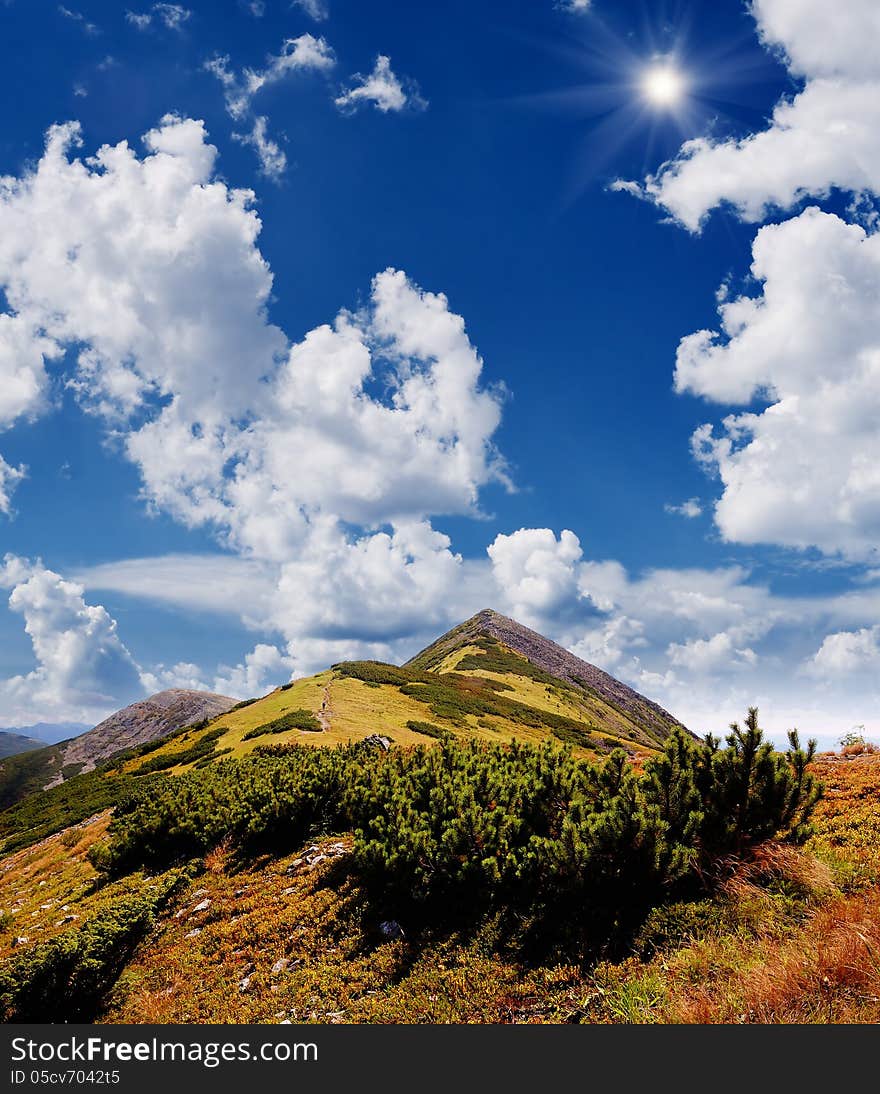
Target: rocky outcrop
[(147, 720)]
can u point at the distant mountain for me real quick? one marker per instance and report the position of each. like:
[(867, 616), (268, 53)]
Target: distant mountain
[(46, 766), (49, 733), (144, 721), (11, 744)]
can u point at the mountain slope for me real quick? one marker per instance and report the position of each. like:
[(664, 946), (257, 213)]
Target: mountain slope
[(488, 679), (11, 744), (144, 721), (45, 767), (496, 630)]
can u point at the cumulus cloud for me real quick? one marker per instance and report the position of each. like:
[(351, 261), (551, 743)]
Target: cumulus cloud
[(83, 669), (802, 472), (264, 667), (826, 136), (322, 460), (845, 653), (23, 354), (383, 89), (690, 509), (704, 656), (537, 572)]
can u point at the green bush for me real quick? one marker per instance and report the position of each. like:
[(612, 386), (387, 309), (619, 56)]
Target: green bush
[(261, 803), (202, 748), (427, 729), (294, 719), (42, 814), (585, 850), (66, 978), (722, 801)]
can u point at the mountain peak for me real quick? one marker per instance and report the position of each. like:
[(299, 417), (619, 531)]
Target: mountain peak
[(553, 659), (143, 721)]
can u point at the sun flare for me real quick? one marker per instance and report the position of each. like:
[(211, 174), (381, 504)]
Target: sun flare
[(663, 85)]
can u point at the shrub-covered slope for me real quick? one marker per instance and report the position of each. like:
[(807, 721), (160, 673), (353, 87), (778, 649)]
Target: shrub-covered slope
[(281, 923)]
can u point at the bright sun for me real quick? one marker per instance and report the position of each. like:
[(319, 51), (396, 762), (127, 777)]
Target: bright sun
[(663, 85)]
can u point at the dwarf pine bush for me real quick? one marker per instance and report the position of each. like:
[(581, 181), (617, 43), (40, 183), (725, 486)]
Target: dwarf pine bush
[(473, 825)]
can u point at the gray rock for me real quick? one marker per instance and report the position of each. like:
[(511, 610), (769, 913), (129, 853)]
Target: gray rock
[(203, 905), (390, 928), (377, 741), (280, 965)]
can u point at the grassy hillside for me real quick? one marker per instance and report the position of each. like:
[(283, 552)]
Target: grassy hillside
[(468, 685), (788, 935), (479, 690), (12, 744), (530, 847)]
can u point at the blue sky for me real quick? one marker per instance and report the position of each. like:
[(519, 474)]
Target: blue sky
[(204, 484)]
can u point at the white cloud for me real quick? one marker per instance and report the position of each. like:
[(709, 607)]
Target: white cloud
[(263, 668), (10, 477), (689, 509), (78, 17), (23, 353), (827, 136), (303, 54), (577, 7), (173, 16), (83, 669), (847, 652), (381, 87), (706, 656), (815, 45), (802, 472), (148, 268), (317, 9), (184, 674), (537, 572), (273, 161), (212, 583)]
